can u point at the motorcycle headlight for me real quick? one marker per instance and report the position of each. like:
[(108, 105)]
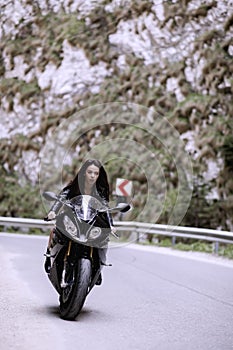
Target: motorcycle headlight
[(70, 226), (95, 232)]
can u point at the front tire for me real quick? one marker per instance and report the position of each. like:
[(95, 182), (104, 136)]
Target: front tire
[(71, 306)]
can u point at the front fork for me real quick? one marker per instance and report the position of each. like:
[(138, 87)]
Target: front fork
[(64, 282)]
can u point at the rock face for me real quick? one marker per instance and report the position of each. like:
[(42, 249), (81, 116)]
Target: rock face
[(61, 61)]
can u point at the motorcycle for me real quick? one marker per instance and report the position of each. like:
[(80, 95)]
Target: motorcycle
[(81, 231)]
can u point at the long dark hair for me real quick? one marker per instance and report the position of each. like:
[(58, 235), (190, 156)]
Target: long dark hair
[(76, 186)]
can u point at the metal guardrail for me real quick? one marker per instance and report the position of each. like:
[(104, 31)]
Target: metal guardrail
[(214, 236), (140, 229), (24, 222)]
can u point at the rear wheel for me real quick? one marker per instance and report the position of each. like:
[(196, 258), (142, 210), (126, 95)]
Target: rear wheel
[(73, 296)]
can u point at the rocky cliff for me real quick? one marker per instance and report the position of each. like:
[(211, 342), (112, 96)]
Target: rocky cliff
[(144, 85)]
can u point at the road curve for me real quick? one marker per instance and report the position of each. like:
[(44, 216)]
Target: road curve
[(150, 299)]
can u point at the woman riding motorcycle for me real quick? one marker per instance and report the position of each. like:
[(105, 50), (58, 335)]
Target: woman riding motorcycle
[(92, 180)]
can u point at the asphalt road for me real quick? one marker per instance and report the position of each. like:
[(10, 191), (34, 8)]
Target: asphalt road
[(150, 299)]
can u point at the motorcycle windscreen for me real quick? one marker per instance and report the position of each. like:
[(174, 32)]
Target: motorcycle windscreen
[(86, 207)]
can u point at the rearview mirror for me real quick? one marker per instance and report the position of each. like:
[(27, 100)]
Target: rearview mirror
[(50, 196), (124, 207), (121, 207)]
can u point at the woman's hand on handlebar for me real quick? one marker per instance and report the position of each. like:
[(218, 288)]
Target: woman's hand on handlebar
[(51, 216)]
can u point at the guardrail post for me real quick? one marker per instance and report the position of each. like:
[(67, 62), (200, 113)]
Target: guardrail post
[(137, 234), (216, 247), (173, 240)]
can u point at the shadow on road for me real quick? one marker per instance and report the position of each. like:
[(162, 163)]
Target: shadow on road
[(85, 315)]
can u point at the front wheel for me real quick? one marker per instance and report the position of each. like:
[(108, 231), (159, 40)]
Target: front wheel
[(73, 296)]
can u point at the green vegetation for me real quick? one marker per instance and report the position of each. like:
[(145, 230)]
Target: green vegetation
[(48, 32), (28, 92), (225, 251), (19, 200)]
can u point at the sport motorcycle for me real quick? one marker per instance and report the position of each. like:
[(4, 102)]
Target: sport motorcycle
[(80, 239)]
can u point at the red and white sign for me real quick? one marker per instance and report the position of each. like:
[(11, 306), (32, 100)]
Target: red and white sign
[(123, 187)]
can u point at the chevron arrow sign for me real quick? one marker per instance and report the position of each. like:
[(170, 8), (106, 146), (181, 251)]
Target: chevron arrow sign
[(123, 187)]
